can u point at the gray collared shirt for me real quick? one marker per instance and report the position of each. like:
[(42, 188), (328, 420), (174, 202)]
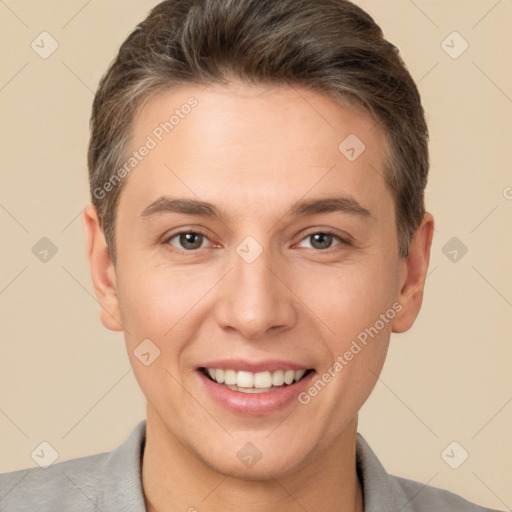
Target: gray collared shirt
[(111, 481)]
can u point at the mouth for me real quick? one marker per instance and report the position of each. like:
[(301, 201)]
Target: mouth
[(266, 381)]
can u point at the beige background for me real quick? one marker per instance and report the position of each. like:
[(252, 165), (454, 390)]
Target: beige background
[(66, 380)]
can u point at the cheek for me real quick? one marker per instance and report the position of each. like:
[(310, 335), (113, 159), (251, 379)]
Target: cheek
[(349, 298), (161, 303), (355, 349), (356, 303), (158, 306)]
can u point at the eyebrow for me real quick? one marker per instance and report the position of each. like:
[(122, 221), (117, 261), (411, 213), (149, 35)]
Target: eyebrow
[(302, 208), (329, 204), (186, 206)]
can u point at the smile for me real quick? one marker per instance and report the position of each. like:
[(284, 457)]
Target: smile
[(249, 382)]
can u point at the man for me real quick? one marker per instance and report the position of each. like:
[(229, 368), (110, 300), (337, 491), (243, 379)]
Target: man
[(257, 231)]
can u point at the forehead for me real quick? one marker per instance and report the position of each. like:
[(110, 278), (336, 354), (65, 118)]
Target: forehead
[(255, 145)]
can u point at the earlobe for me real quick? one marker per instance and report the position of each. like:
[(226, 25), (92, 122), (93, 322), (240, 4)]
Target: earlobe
[(414, 275), (102, 271)]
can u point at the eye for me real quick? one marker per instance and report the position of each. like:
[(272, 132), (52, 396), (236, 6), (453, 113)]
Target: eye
[(188, 240), (323, 240)]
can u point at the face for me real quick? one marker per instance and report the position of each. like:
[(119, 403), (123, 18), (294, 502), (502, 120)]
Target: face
[(252, 248)]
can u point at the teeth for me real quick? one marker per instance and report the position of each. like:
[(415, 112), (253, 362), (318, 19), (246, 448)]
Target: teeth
[(244, 379), (229, 377), (219, 375), (262, 380), (299, 374), (289, 375), (278, 378), (249, 382)]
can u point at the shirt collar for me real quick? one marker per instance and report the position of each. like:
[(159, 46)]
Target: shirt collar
[(381, 491), (122, 476)]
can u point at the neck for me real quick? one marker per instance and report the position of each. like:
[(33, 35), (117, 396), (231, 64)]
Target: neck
[(175, 478)]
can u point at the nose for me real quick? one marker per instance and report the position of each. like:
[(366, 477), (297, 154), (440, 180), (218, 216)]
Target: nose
[(254, 298)]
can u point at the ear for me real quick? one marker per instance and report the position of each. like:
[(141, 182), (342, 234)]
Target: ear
[(415, 267), (102, 271)]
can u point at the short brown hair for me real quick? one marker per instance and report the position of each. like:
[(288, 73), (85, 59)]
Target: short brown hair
[(329, 46)]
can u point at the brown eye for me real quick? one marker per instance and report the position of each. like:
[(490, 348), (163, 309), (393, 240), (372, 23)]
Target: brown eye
[(189, 240)]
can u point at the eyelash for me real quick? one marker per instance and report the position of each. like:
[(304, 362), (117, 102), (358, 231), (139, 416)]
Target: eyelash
[(185, 232), (343, 242)]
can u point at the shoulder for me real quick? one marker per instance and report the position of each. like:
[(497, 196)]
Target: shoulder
[(103, 481), (426, 498), (383, 491), (73, 482)]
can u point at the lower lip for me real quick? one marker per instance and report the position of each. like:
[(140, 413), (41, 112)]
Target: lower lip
[(255, 404)]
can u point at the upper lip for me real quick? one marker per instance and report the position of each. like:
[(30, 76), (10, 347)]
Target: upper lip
[(240, 365)]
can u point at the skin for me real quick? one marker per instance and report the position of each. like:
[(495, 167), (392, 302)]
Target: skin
[(254, 151)]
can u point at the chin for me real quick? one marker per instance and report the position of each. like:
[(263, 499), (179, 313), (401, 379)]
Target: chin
[(255, 457), (263, 469)]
